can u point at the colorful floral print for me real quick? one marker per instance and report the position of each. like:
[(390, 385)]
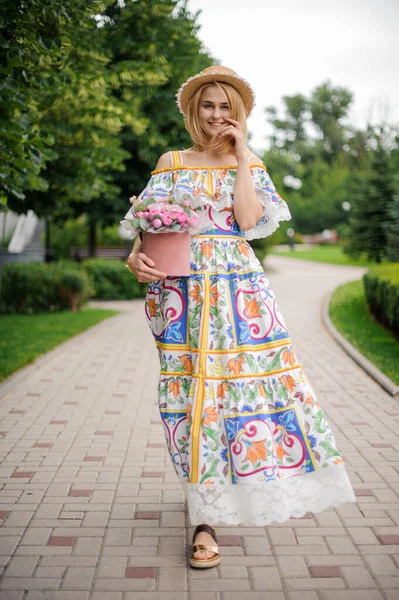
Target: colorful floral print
[(236, 407)]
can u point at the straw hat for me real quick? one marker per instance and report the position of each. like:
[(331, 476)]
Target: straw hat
[(215, 73)]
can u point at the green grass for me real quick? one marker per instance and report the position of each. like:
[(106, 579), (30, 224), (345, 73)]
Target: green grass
[(25, 337), (348, 311), (326, 254)]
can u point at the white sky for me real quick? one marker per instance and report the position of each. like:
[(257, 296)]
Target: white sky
[(293, 46)]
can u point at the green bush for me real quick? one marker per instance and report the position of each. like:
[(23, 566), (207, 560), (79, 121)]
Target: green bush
[(39, 287), (111, 280), (381, 284), (74, 233)]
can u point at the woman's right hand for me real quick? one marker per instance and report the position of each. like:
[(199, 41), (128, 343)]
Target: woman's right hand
[(142, 267)]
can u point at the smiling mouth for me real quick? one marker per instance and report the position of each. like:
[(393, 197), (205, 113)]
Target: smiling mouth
[(216, 124)]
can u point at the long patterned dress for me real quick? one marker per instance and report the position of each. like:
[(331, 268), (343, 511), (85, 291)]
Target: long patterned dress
[(246, 435)]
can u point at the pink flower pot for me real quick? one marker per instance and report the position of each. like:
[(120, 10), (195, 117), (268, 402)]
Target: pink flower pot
[(169, 251)]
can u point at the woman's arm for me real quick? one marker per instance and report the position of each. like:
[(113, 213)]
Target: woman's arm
[(247, 208)]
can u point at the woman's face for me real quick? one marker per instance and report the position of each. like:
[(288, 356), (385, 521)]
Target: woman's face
[(212, 108)]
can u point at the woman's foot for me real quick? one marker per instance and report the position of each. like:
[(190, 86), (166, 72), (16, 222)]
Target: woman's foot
[(204, 538)]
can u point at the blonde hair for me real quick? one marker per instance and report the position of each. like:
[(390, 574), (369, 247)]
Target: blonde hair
[(193, 126)]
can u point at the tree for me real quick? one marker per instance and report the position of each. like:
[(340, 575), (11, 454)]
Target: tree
[(392, 249), (49, 49), (329, 106), (314, 142), (158, 42), (371, 196)]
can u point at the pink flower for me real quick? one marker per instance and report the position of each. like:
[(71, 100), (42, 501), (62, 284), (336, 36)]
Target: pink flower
[(139, 214), (182, 218), (186, 202), (192, 220), (157, 223), (167, 220)]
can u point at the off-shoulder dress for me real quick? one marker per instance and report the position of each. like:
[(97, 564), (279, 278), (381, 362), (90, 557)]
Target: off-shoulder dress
[(246, 434)]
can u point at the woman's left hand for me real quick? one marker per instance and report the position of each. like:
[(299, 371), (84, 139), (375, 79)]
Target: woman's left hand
[(233, 129)]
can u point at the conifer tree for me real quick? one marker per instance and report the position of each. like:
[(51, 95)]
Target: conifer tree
[(371, 197), (392, 250)]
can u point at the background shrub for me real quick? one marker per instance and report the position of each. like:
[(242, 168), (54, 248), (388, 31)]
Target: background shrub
[(111, 280), (38, 287), (381, 284)]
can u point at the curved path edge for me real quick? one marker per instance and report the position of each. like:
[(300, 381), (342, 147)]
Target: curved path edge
[(387, 384)]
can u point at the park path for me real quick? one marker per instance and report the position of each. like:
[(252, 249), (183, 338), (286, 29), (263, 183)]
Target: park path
[(91, 507)]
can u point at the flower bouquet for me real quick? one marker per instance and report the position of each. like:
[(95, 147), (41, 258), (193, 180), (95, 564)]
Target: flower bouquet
[(167, 230)]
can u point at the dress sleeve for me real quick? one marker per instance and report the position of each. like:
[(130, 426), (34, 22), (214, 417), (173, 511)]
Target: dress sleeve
[(275, 209), (160, 187)]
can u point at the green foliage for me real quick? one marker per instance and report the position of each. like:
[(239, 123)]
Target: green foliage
[(261, 247), (381, 286), (111, 280), (161, 35), (25, 337), (87, 110), (74, 232), (314, 142), (57, 110), (392, 227), (38, 287), (349, 313), (371, 197)]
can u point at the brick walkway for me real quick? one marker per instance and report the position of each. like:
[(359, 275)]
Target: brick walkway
[(91, 507)]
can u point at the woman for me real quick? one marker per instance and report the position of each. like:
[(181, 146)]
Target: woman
[(246, 435)]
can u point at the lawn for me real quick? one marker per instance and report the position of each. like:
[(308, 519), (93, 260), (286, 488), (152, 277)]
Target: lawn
[(326, 254), (25, 337), (348, 312)]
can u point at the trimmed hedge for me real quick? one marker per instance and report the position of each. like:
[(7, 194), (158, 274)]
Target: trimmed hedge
[(111, 280), (381, 284), (41, 287)]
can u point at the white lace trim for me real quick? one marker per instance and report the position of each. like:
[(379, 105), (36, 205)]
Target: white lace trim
[(271, 502), (223, 201), (274, 212)]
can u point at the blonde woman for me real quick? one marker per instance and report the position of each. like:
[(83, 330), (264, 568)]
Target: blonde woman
[(247, 437)]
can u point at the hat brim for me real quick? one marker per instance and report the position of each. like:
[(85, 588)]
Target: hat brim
[(188, 89)]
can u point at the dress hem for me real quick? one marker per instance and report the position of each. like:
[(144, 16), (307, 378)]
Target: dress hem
[(271, 502)]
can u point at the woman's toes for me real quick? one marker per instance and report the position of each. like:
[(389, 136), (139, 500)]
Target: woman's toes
[(207, 540)]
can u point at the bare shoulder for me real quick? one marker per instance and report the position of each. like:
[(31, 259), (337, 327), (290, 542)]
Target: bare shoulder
[(163, 161), (254, 159)]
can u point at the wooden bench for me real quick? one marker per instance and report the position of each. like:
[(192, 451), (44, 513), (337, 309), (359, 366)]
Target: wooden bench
[(121, 252)]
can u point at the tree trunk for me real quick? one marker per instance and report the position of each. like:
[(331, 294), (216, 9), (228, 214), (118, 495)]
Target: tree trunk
[(92, 238)]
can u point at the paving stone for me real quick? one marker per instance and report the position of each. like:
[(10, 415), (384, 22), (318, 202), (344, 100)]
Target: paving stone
[(303, 595), (221, 585), (293, 566), (50, 572), (58, 595), (351, 595), (172, 578), (358, 577), (265, 578), (78, 578), (112, 567), (29, 583), (124, 585), (58, 540), (324, 571), (21, 566)]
